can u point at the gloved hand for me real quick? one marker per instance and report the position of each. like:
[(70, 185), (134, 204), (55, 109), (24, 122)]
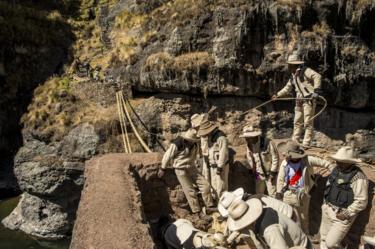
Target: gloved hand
[(342, 216), (161, 173), (279, 196), (314, 95), (219, 170), (274, 97)]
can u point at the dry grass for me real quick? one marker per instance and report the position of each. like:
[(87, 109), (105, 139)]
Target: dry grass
[(292, 3), (159, 61), (193, 60)]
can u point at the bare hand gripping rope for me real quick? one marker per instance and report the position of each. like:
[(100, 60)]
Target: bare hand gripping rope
[(286, 99)]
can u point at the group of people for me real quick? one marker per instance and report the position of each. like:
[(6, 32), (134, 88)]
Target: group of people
[(277, 215)]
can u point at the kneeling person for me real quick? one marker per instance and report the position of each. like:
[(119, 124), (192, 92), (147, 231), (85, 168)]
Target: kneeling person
[(183, 152)]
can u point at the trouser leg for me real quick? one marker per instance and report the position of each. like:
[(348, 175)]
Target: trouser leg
[(325, 226), (260, 186), (298, 122), (337, 231), (220, 182), (189, 190), (309, 112), (301, 206), (271, 188), (204, 188)]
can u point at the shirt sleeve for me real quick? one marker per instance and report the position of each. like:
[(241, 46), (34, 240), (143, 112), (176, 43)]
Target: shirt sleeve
[(274, 157), (274, 237), (281, 177), (286, 90), (321, 163), (360, 190), (169, 155), (315, 77), (223, 152)]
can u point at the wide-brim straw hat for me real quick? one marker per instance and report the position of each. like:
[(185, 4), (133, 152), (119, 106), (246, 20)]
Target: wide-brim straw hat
[(369, 240), (190, 135), (294, 59), (204, 240), (242, 214), (206, 128), (251, 131), (227, 198), (197, 119), (346, 155), (183, 229), (294, 150)]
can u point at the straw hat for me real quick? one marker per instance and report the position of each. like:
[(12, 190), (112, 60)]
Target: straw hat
[(294, 59), (251, 131), (241, 214), (197, 119), (346, 155), (294, 150), (190, 135), (227, 199), (206, 128), (183, 229), (369, 240)]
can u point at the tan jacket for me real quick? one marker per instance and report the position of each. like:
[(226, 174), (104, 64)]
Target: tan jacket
[(269, 158), (218, 152), (309, 162), (181, 159), (303, 89)]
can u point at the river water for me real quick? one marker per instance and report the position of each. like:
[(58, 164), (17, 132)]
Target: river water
[(18, 240)]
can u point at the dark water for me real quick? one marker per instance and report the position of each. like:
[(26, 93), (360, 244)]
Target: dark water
[(18, 240)]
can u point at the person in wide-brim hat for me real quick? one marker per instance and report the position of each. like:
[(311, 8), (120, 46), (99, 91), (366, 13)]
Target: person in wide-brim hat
[(227, 198), (345, 155), (251, 131), (190, 135), (241, 213), (294, 150), (294, 59), (206, 128)]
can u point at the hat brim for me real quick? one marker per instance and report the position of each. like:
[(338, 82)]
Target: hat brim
[(345, 160), (252, 214), (295, 155), (369, 240), (205, 132), (295, 62), (251, 134)]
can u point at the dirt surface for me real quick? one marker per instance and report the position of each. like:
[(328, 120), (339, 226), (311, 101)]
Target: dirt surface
[(109, 214)]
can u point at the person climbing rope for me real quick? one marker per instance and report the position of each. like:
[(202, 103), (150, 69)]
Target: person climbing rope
[(306, 84)]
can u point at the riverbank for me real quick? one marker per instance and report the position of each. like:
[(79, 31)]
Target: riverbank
[(18, 240)]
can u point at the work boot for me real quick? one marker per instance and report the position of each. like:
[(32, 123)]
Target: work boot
[(205, 217)]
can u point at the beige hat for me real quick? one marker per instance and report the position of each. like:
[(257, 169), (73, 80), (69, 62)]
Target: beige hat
[(346, 155), (206, 128), (241, 214), (197, 119), (183, 229), (204, 240), (294, 150), (251, 131), (369, 240), (294, 59), (227, 199), (190, 135)]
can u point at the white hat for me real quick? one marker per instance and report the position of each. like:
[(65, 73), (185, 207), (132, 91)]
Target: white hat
[(346, 155), (204, 240), (197, 119), (184, 229), (369, 240), (227, 199), (251, 131), (241, 214), (294, 59), (190, 135)]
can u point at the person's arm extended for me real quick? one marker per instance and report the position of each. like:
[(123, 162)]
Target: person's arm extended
[(169, 155), (321, 163), (286, 89), (223, 152)]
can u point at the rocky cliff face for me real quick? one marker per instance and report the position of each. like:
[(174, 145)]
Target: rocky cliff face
[(176, 58)]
